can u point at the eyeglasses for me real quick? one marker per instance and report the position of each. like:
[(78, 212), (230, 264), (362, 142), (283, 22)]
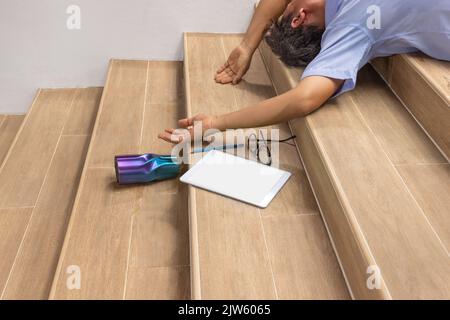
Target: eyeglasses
[(260, 147)]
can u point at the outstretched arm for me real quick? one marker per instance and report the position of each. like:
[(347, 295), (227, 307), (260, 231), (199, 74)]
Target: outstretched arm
[(266, 13), (311, 93), (239, 61)]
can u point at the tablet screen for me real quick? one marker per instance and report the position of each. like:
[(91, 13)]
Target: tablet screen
[(237, 178)]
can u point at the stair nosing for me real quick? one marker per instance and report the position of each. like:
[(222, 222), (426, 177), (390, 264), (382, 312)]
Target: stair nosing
[(196, 293), (25, 120), (79, 189)]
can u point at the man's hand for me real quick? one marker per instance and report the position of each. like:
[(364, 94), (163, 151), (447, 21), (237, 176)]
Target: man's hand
[(176, 136), (235, 67)]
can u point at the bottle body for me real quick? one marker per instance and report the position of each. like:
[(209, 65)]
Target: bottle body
[(145, 168)]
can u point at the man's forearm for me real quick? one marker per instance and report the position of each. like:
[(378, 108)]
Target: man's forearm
[(266, 12), (276, 110), (310, 94)]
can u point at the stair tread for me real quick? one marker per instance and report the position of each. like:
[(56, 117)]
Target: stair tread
[(52, 107), (398, 133), (108, 236), (41, 145), (423, 84), (373, 217), (236, 247), (167, 283), (35, 262), (9, 125), (436, 72), (430, 186)]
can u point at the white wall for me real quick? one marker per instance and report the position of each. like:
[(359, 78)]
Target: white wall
[(38, 50)]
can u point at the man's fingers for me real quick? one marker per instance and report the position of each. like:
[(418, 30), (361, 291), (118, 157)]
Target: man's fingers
[(229, 72), (223, 67), (187, 122), (224, 78), (225, 73), (237, 78), (169, 137), (219, 76)]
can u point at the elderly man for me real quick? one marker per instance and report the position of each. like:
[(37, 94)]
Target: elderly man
[(333, 39)]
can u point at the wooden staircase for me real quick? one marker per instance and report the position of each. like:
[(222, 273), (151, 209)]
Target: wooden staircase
[(239, 251), (39, 178), (369, 189), (9, 125), (129, 242), (366, 158)]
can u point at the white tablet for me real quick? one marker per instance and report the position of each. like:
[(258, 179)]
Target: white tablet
[(237, 178)]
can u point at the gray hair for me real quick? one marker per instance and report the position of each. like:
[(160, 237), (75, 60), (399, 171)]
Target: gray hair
[(296, 47)]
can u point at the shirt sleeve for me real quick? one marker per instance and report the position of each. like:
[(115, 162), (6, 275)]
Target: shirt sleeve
[(345, 50)]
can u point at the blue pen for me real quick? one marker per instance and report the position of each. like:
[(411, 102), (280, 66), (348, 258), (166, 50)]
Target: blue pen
[(224, 147)]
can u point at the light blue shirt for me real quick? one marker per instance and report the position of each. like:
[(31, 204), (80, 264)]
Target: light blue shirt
[(353, 36)]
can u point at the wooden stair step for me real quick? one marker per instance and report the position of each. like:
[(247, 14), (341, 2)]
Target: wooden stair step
[(423, 84), (39, 176), (9, 126), (129, 241), (355, 150), (239, 251)]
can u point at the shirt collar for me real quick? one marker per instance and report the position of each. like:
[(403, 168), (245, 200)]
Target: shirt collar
[(331, 8)]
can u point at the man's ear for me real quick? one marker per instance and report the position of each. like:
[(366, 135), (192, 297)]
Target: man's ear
[(299, 19)]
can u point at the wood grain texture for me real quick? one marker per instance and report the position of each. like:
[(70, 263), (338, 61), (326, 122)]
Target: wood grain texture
[(228, 237), (379, 216), (13, 223), (165, 104), (353, 261), (25, 167), (83, 113), (201, 76), (166, 84), (233, 256), (160, 230), (256, 84), (430, 185), (160, 235), (168, 283), (98, 238), (427, 101), (296, 196), (35, 264), (299, 249), (41, 146), (121, 113), (380, 189), (435, 72), (9, 126), (123, 238), (397, 131)]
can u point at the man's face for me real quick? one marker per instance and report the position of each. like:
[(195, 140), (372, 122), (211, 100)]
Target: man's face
[(292, 7), (306, 13)]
